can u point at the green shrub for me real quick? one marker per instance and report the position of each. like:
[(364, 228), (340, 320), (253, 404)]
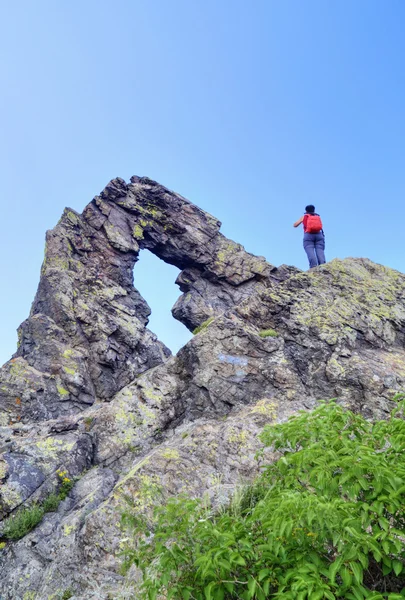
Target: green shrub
[(25, 519), (326, 521), (51, 503), (268, 333), (88, 422), (203, 326), (23, 522), (67, 594)]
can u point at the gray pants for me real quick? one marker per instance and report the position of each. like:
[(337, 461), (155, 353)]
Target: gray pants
[(314, 246)]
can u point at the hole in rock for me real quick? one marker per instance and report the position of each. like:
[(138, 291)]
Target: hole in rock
[(154, 279)]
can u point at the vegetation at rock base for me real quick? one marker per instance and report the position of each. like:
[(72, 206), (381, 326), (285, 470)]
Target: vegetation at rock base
[(203, 325), (23, 522), (325, 521), (26, 519), (268, 333)]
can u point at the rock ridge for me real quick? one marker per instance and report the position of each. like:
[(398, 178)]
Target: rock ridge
[(91, 391)]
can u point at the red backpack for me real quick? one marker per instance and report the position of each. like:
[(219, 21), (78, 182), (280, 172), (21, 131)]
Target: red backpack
[(314, 224)]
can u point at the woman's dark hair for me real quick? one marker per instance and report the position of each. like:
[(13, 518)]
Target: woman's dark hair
[(310, 208)]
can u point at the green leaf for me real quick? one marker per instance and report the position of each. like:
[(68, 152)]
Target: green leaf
[(219, 593), (384, 523), (251, 586), (346, 576), (356, 595), (397, 566), (400, 491), (357, 572), (266, 586), (208, 590), (334, 568), (262, 574)]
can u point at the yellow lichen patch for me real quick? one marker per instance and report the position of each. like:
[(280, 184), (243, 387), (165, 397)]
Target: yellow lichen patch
[(259, 266), (17, 367), (123, 417), (82, 305), (56, 262), (137, 232), (72, 217), (148, 415), (62, 391), (128, 425), (51, 447), (238, 436), (114, 291), (203, 326), (212, 450), (69, 371), (267, 408), (170, 454), (3, 469), (10, 496), (153, 211), (226, 253), (68, 529), (151, 394), (335, 367)]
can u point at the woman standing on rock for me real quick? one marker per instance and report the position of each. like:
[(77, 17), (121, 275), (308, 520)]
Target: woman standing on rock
[(314, 237)]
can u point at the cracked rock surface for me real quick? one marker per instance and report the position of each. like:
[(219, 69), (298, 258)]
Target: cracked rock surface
[(91, 391)]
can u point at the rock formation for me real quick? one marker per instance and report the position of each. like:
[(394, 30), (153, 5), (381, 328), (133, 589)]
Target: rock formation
[(91, 391)]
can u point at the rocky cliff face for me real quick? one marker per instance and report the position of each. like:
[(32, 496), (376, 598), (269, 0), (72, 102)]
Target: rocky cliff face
[(91, 391)]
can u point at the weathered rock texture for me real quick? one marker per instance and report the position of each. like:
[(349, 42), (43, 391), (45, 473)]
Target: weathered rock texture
[(92, 391)]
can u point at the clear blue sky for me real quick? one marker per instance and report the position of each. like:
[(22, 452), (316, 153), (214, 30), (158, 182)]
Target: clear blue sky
[(250, 109)]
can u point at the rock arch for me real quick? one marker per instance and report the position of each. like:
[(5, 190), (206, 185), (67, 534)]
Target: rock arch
[(86, 336)]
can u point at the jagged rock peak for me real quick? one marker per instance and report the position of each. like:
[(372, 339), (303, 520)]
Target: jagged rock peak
[(86, 336)]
